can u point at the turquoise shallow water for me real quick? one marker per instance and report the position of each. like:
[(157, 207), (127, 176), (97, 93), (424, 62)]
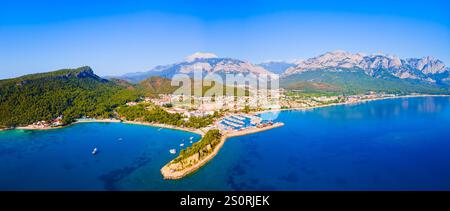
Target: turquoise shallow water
[(399, 144), (61, 159)]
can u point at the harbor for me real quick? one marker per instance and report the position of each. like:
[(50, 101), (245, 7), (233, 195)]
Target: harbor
[(241, 122), (229, 126)]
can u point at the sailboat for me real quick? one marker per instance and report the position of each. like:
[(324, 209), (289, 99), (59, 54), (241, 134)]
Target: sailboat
[(94, 151)]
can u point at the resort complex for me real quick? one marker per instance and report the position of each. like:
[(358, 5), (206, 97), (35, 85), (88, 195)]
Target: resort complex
[(215, 118)]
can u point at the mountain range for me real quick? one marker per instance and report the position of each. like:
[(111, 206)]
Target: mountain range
[(340, 70), (376, 65), (205, 62), (277, 67), (79, 92)]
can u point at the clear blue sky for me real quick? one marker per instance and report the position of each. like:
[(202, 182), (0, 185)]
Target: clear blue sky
[(118, 36)]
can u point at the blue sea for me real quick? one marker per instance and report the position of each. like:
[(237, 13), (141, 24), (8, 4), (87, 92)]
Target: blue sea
[(396, 144)]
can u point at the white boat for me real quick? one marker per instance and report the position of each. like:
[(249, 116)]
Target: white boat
[(190, 142), (239, 117), (173, 151), (181, 145), (94, 151), (235, 121), (231, 123), (191, 138)]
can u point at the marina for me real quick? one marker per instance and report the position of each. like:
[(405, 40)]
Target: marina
[(240, 122)]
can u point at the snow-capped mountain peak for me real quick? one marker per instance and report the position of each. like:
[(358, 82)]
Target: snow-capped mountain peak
[(204, 62), (428, 69), (200, 55), (210, 63)]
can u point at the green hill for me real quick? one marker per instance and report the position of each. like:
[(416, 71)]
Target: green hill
[(355, 82), (159, 85), (72, 93)]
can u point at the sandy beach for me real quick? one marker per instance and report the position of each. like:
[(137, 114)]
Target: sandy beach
[(31, 127), (198, 131), (170, 174), (96, 120)]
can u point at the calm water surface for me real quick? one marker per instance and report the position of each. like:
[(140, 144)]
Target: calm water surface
[(400, 144)]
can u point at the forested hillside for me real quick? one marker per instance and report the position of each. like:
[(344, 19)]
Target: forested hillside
[(356, 82), (72, 93)]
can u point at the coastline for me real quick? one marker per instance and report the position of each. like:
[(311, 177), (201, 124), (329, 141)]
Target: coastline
[(30, 127), (96, 120), (348, 103), (170, 174), (197, 131), (35, 128)]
